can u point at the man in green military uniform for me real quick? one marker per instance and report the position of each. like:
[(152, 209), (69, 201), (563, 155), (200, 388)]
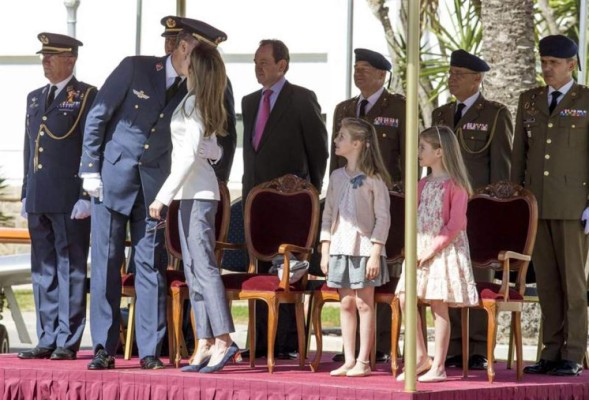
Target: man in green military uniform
[(551, 158), (386, 111), (375, 104), (485, 131)]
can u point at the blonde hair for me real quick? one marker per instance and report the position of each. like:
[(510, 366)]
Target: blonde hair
[(207, 70), (442, 137), (370, 160)]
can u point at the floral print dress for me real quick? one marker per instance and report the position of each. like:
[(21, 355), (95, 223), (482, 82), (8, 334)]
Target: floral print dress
[(448, 275)]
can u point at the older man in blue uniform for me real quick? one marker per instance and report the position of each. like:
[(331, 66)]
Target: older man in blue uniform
[(53, 201), (126, 159)]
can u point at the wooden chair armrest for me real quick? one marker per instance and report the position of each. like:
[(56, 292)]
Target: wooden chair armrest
[(15, 235), (291, 248), (229, 246), (513, 255)]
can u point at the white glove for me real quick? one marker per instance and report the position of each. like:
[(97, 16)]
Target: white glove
[(81, 209), (585, 219), (23, 208), (93, 185), (208, 148)]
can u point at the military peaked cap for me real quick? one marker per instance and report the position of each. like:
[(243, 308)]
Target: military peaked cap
[(202, 31), (171, 25), (54, 43)]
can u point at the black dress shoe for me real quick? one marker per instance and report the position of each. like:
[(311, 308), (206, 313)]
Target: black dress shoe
[(566, 368), (477, 362), (454, 361), (35, 353), (102, 360), (62, 353), (541, 367), (287, 355), (151, 362)]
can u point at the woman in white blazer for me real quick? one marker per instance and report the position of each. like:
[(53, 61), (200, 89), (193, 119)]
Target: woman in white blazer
[(200, 116)]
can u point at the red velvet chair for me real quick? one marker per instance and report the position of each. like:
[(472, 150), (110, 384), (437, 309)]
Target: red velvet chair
[(384, 294), (502, 224), (281, 218)]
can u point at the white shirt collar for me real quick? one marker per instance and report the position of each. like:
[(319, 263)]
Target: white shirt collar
[(469, 102), (563, 90), (60, 85), (372, 99), (171, 73)]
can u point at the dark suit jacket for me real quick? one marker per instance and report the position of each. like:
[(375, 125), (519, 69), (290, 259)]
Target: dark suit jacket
[(388, 117), (54, 186), (294, 139), (485, 120), (551, 151), (127, 134), (228, 142)]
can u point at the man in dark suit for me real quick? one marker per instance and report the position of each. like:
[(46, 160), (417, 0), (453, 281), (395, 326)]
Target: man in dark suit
[(53, 201), (386, 111), (283, 134), (126, 159), (485, 133), (172, 26), (551, 158)]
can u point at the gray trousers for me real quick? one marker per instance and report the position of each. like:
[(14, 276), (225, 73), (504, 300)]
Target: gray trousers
[(206, 290)]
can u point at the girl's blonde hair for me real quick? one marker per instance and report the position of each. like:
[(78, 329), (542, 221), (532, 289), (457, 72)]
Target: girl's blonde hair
[(207, 71), (442, 137), (370, 160)]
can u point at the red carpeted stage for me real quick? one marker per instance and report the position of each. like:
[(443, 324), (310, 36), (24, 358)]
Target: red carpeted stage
[(44, 379)]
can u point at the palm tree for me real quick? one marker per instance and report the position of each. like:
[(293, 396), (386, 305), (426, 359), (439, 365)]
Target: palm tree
[(508, 47)]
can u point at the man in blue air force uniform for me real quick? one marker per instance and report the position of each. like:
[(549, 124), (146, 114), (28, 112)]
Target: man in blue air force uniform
[(126, 159), (53, 202), (172, 27)]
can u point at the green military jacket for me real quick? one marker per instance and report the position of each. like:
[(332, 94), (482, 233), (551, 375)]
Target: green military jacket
[(388, 117), (551, 151), (485, 134)]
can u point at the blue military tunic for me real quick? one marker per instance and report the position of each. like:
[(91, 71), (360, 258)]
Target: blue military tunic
[(51, 186)]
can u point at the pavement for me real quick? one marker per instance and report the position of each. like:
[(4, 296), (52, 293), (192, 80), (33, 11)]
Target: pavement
[(331, 342)]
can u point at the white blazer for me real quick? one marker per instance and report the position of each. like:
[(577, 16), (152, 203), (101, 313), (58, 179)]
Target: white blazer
[(191, 176)]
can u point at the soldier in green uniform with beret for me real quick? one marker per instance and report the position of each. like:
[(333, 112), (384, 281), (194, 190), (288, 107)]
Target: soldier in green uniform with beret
[(386, 111), (551, 158), (375, 104), (485, 131)]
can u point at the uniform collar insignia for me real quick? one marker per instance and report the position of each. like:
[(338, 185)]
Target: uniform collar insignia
[(159, 66)]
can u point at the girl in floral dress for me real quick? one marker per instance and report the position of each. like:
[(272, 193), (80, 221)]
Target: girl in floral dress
[(444, 272), (354, 231)]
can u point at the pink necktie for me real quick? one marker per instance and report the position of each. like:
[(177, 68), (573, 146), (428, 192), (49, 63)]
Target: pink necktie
[(263, 115)]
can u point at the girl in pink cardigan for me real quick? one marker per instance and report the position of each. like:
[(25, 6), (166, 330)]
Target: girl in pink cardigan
[(444, 272), (354, 231)]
